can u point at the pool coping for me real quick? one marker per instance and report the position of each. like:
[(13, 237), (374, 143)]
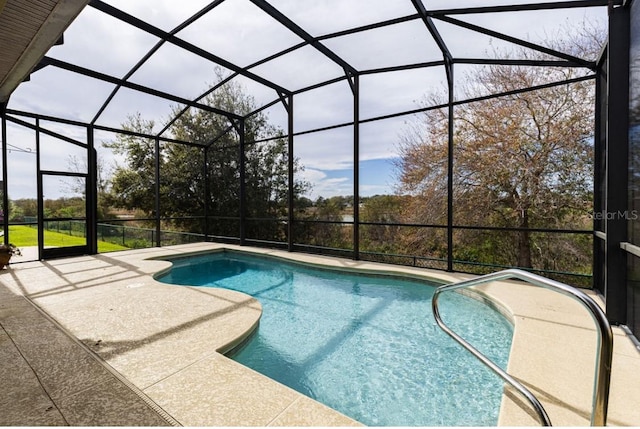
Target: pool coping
[(80, 288)]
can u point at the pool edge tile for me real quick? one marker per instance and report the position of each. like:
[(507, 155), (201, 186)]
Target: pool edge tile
[(305, 411), (30, 280), (217, 391)]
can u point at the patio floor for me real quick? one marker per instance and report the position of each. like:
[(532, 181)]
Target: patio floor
[(95, 340)]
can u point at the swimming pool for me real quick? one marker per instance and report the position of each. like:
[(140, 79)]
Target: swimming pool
[(365, 345)]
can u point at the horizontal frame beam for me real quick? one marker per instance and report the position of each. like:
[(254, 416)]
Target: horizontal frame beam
[(144, 26), (136, 87), (520, 7)]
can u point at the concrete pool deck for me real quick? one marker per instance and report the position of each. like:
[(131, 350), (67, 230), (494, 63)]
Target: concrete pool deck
[(95, 340)]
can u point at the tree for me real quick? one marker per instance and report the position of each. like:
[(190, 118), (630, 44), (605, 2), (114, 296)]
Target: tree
[(384, 209), (77, 186), (210, 167), (522, 161), (132, 184), (320, 224), (17, 211)]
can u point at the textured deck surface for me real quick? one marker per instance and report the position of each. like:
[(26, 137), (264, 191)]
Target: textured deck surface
[(123, 349)]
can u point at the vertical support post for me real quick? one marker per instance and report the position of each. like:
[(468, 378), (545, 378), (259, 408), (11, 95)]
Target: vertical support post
[(92, 194), (290, 166), (617, 162), (243, 185), (450, 81), (157, 151), (356, 167), (598, 171), (39, 191), (5, 187), (207, 191)]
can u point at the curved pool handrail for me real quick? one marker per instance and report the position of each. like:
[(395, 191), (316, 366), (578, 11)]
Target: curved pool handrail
[(604, 344)]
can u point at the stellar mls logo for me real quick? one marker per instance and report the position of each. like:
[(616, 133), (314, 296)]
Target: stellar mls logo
[(620, 214)]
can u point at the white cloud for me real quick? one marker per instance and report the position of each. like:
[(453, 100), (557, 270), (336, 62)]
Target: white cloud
[(55, 92), (299, 69), (404, 43), (100, 42), (240, 32), (322, 185), (165, 14), (320, 17)]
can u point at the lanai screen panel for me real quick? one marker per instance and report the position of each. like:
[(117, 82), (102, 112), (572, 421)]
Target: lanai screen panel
[(633, 283), (350, 80)]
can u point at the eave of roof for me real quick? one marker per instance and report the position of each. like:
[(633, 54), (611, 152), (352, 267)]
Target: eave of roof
[(28, 30)]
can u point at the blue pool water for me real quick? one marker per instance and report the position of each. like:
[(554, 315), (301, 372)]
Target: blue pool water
[(365, 345)]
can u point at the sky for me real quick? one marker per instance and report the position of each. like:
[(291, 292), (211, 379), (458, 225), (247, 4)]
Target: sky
[(241, 33)]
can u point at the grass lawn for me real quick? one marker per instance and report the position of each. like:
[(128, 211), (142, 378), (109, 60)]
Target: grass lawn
[(25, 236)]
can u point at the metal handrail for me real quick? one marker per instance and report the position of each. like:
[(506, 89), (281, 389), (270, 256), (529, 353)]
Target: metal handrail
[(604, 344)]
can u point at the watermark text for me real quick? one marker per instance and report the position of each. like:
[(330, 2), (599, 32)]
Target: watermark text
[(617, 215)]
